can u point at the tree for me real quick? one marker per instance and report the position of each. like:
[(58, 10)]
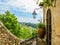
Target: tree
[(10, 21), (25, 32), (45, 3)]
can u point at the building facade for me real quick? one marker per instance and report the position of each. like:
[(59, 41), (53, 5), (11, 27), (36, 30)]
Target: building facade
[(52, 21)]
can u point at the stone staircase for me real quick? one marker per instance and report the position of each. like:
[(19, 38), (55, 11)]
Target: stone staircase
[(33, 41), (7, 38)]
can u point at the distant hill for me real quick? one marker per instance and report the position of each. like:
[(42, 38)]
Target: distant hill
[(29, 24)]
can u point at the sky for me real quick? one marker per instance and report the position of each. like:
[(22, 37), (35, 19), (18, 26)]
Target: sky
[(22, 9)]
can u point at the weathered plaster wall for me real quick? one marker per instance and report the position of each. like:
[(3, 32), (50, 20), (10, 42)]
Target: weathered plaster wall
[(55, 22), (6, 37)]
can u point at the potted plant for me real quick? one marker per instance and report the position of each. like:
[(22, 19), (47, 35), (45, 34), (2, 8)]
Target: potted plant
[(41, 30)]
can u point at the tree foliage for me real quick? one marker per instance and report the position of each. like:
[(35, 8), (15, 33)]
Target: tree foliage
[(46, 3), (27, 32), (10, 21)]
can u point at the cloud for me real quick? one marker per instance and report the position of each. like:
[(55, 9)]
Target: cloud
[(4, 0), (22, 9), (4, 7), (31, 20), (29, 5)]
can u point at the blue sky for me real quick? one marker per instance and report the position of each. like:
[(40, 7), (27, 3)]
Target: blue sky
[(22, 9)]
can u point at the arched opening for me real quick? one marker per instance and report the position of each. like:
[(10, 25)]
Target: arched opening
[(48, 27)]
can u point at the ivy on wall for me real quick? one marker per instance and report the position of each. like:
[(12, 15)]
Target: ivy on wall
[(46, 3)]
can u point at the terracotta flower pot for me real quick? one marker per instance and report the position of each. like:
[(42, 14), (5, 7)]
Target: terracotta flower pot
[(41, 32)]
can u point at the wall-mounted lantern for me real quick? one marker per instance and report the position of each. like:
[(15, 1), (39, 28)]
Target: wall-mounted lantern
[(34, 14)]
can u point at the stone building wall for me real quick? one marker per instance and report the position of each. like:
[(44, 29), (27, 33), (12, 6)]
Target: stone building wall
[(6, 37), (55, 11)]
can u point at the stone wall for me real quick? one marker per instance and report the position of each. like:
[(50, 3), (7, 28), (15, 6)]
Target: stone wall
[(55, 22), (6, 37), (33, 41)]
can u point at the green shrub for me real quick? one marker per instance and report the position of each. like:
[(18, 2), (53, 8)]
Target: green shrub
[(41, 25), (11, 22)]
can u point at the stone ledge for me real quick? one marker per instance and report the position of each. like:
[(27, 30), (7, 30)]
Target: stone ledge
[(6, 37)]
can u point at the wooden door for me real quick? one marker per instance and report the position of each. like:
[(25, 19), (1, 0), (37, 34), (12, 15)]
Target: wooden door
[(48, 27)]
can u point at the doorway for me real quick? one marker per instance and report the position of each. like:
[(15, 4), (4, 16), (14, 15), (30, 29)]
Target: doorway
[(48, 27)]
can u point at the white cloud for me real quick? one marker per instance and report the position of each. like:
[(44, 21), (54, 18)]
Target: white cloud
[(29, 5), (25, 5), (21, 19)]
